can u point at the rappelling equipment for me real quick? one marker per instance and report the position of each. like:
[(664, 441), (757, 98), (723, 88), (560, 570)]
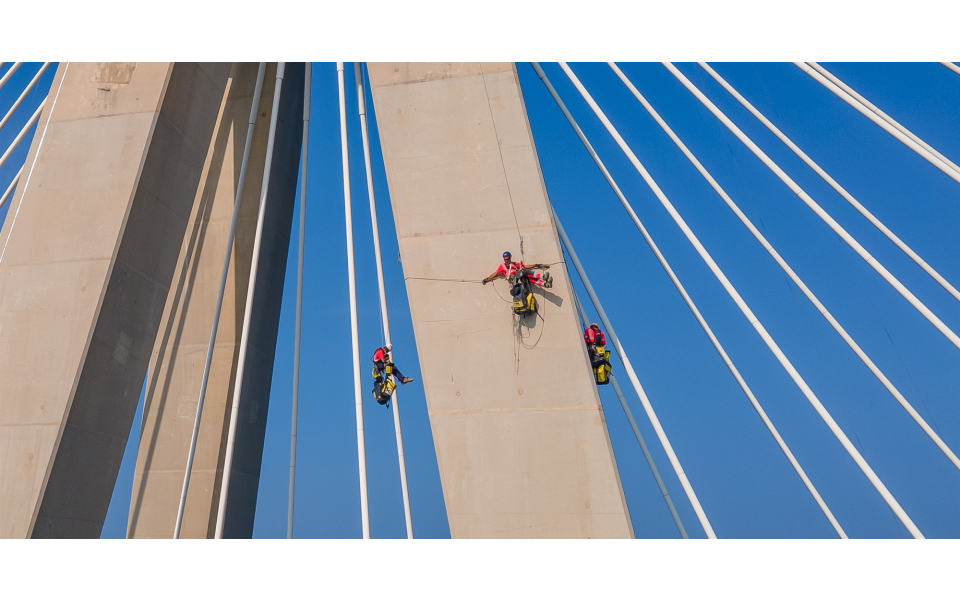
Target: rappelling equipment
[(600, 362), (383, 384), (599, 355), (524, 301)]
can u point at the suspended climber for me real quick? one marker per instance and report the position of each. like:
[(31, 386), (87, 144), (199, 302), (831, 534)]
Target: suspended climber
[(385, 375), (599, 355), (520, 277)]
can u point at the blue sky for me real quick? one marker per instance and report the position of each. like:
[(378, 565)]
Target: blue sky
[(746, 486)]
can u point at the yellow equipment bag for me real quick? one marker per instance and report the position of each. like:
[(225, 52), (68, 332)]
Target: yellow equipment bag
[(388, 386), (387, 368), (527, 306), (602, 370), (383, 385), (383, 389)]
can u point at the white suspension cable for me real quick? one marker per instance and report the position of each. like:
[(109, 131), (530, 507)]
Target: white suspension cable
[(23, 95), (952, 67), (781, 357), (649, 458), (211, 344), (9, 73), (11, 187), (385, 319), (753, 400), (631, 374), (791, 273), (354, 328), (36, 155), (859, 98), (700, 319), (584, 318), (840, 231), (23, 132), (836, 186), (248, 309), (919, 148), (307, 77)]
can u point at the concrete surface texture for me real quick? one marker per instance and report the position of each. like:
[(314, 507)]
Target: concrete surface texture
[(176, 365), (520, 435), (88, 254)]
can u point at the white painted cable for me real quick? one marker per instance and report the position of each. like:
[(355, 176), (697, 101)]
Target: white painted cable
[(636, 433), (248, 310), (584, 318), (9, 73), (211, 344), (771, 344), (893, 122), (840, 231), (11, 187), (649, 458), (885, 125), (952, 67), (836, 186), (631, 374), (702, 321), (307, 77), (23, 132), (23, 95), (36, 155), (791, 273), (753, 400), (354, 328), (385, 319)]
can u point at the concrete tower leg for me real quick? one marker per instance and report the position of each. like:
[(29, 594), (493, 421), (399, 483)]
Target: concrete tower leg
[(519, 431), (88, 253), (176, 365)]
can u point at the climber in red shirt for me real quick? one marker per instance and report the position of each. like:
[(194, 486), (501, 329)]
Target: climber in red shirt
[(382, 359), (509, 268), (595, 341)]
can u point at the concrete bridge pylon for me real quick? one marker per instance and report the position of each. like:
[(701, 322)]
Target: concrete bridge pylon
[(110, 265), (518, 427), (127, 175)]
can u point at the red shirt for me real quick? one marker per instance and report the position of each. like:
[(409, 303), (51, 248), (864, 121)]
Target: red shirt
[(589, 335), (594, 336), (506, 271), (380, 355)]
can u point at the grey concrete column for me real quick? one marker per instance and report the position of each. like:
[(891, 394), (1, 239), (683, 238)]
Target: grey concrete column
[(519, 431), (89, 251), (176, 365)]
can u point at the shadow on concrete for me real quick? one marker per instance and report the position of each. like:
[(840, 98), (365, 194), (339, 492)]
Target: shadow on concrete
[(175, 326), (551, 297)]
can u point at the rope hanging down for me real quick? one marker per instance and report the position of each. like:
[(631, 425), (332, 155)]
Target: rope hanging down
[(503, 167)]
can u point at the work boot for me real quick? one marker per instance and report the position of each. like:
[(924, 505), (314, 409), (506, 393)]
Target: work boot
[(406, 380), (547, 280)]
